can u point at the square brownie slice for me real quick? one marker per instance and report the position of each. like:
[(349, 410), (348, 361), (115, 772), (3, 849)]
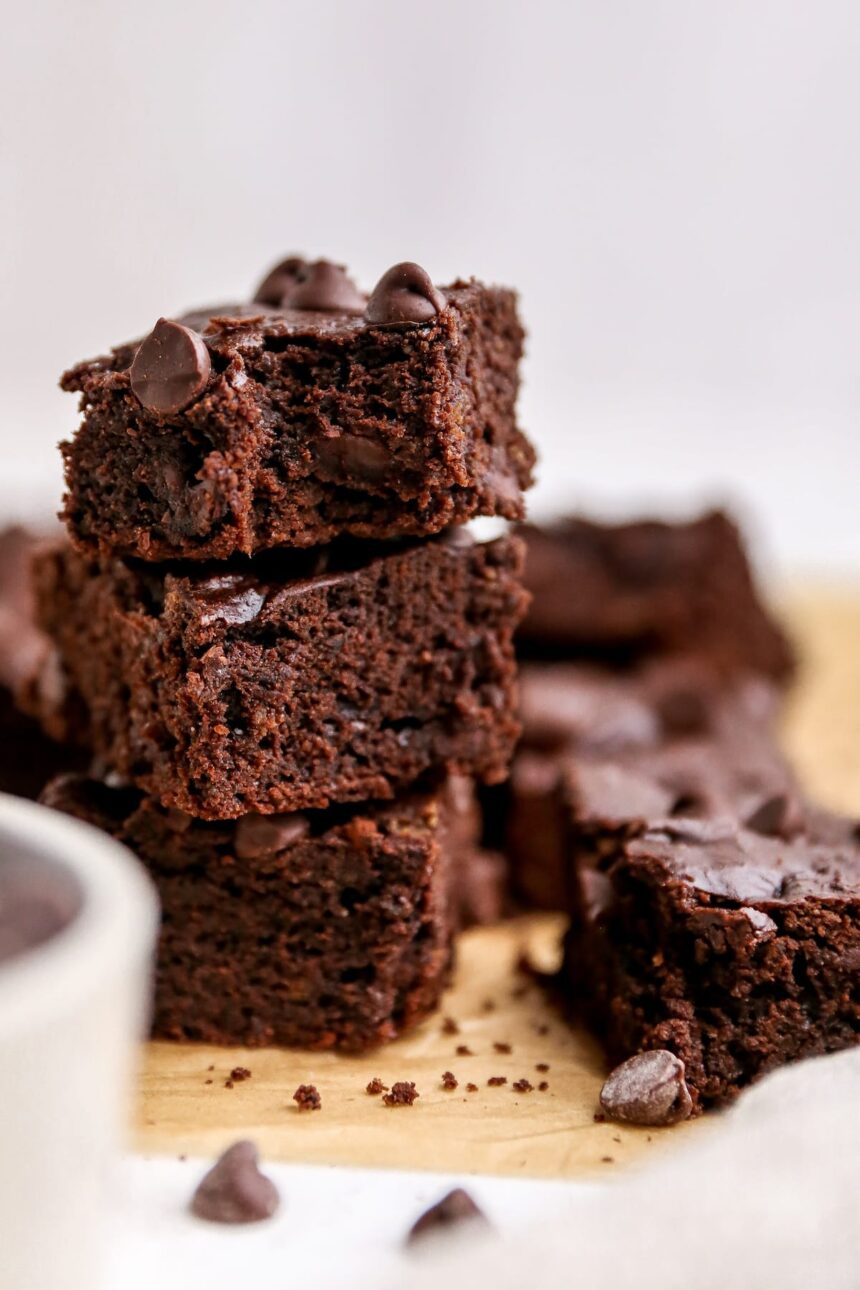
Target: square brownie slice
[(298, 679), (325, 929), (736, 952), (606, 752), (296, 426), (627, 592)]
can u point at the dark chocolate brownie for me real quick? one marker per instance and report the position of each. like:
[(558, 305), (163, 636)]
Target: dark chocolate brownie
[(265, 426), (631, 591), (318, 929), (28, 667), (302, 678), (736, 952), (605, 751)]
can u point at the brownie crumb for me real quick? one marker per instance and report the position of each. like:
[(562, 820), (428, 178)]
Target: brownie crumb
[(228, 1083), (471, 1088), (238, 1073), (503, 1048), (463, 1051), (448, 1081), (542, 1067), (599, 1117), (211, 1068), (307, 1097), (403, 1093), (522, 1086), (496, 1081), (543, 1086), (519, 992), (542, 1029), (607, 1160), (488, 1005), (376, 1087), (209, 1081), (449, 1026)]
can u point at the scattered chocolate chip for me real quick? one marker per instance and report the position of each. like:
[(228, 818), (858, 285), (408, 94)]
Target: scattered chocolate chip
[(403, 1093), (542, 1066), (522, 1086), (448, 1081), (263, 835), (404, 294), (543, 1086), (326, 287), (376, 1086), (238, 1073), (502, 1048), (307, 1097), (776, 817), (280, 280), (648, 1089), (449, 1026), (209, 1081), (234, 1190), (496, 1081), (462, 1050), (454, 1210), (170, 369), (471, 1088)]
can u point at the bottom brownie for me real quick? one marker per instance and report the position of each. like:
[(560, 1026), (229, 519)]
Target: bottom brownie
[(325, 929), (736, 952)]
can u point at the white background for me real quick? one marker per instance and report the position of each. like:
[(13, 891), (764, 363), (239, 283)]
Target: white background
[(672, 184)]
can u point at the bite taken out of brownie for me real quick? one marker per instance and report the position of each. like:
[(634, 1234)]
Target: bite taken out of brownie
[(307, 415), (736, 952), (624, 593), (325, 929), (298, 679)]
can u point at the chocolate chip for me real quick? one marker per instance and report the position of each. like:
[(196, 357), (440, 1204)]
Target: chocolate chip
[(454, 1210), (234, 1190), (648, 1089), (282, 279), (263, 835), (325, 287), (170, 369), (404, 294), (775, 817)]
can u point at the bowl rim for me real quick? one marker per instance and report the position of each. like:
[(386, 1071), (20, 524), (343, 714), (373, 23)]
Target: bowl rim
[(113, 930)]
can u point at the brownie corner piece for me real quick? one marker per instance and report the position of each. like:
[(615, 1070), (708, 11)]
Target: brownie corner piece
[(735, 951), (299, 679), (308, 426), (329, 929)]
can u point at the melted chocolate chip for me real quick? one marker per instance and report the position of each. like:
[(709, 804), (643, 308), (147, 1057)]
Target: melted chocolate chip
[(234, 1190), (325, 287), (281, 280), (264, 835), (405, 294), (453, 1210), (348, 455), (648, 1089), (170, 369)]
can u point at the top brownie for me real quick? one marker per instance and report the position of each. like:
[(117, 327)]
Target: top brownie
[(629, 592), (309, 414)]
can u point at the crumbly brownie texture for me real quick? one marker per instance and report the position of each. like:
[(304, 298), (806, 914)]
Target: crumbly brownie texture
[(607, 753), (633, 591), (308, 425), (282, 686), (331, 929), (28, 668), (736, 952)]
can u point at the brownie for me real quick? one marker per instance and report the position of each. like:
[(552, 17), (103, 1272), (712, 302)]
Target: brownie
[(303, 425), (300, 678), (321, 929), (736, 952), (623, 593), (605, 751), (28, 666)]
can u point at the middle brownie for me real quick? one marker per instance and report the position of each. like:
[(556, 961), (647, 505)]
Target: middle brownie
[(298, 679)]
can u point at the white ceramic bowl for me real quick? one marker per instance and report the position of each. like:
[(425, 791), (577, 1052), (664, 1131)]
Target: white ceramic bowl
[(71, 1013)]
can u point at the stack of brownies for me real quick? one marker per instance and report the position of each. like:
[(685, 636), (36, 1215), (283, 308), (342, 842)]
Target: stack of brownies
[(286, 657), (714, 911)]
